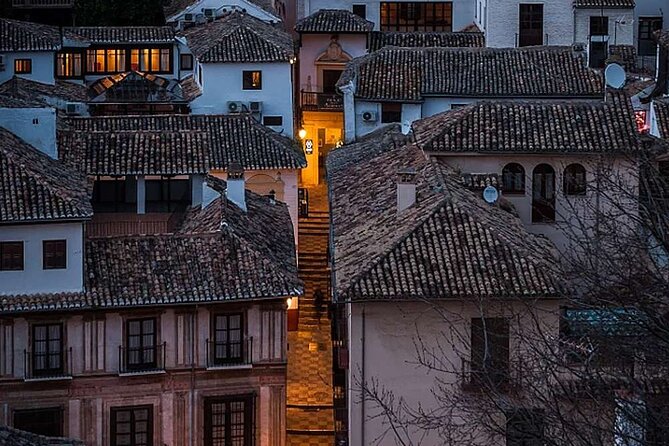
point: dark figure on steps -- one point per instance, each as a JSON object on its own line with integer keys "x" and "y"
{"x": 319, "y": 300}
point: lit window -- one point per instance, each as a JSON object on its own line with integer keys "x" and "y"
{"x": 68, "y": 65}
{"x": 640, "y": 118}
{"x": 417, "y": 16}
{"x": 23, "y": 66}
{"x": 252, "y": 80}
{"x": 574, "y": 180}
{"x": 105, "y": 61}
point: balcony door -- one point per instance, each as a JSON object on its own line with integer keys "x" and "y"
{"x": 141, "y": 344}
{"x": 490, "y": 351}
{"x": 330, "y": 78}
{"x": 531, "y": 24}
{"x": 543, "y": 194}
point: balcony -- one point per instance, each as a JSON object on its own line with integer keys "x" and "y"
{"x": 313, "y": 101}
{"x": 141, "y": 360}
{"x": 230, "y": 354}
{"x": 47, "y": 366}
{"x": 127, "y": 223}
{"x": 42, "y": 4}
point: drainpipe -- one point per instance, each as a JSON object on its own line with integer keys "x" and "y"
{"x": 362, "y": 379}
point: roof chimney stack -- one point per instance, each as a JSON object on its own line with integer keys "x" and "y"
{"x": 235, "y": 191}
{"x": 406, "y": 189}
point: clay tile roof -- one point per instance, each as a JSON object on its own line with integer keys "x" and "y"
{"x": 533, "y": 127}
{"x": 14, "y": 437}
{"x": 608, "y": 4}
{"x": 173, "y": 144}
{"x": 120, "y": 34}
{"x": 35, "y": 187}
{"x": 380, "y": 39}
{"x": 662, "y": 116}
{"x": 333, "y": 21}
{"x": 135, "y": 86}
{"x": 408, "y": 74}
{"x": 449, "y": 244}
{"x": 239, "y": 37}
{"x": 190, "y": 88}
{"x": 27, "y": 36}
{"x": 35, "y": 93}
{"x": 624, "y": 55}
{"x": 662, "y": 37}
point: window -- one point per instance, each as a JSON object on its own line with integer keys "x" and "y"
{"x": 23, "y": 66}
{"x": 272, "y": 120}
{"x": 647, "y": 27}
{"x": 525, "y": 427}
{"x": 105, "y": 61}
{"x": 132, "y": 426}
{"x": 228, "y": 338}
{"x": 489, "y": 351}
{"x": 47, "y": 355}
{"x": 141, "y": 344}
{"x": 330, "y": 79}
{"x": 391, "y": 112}
{"x": 360, "y": 10}
{"x": 68, "y": 65}
{"x": 531, "y": 24}
{"x": 228, "y": 421}
{"x": 252, "y": 80}
{"x": 11, "y": 256}
{"x": 599, "y": 26}
{"x": 513, "y": 179}
{"x": 186, "y": 62}
{"x": 417, "y": 16}
{"x": 48, "y": 421}
{"x": 54, "y": 254}
{"x": 597, "y": 55}
{"x": 574, "y": 180}
{"x": 543, "y": 194}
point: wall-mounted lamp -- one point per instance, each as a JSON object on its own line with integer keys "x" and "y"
{"x": 302, "y": 133}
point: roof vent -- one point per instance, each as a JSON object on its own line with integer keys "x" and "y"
{"x": 406, "y": 188}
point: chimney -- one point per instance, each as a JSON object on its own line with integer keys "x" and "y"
{"x": 235, "y": 191}
{"x": 406, "y": 188}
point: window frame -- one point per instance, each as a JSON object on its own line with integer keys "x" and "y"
{"x": 391, "y": 116}
{"x": 358, "y": 13}
{"x": 248, "y": 84}
{"x": 248, "y": 427}
{"x": 3, "y": 247}
{"x": 517, "y": 189}
{"x": 23, "y": 65}
{"x": 416, "y": 16}
{"x": 187, "y": 57}
{"x": 58, "y": 64}
{"x": 45, "y": 244}
{"x": 499, "y": 373}
{"x": 126, "y": 56}
{"x": 530, "y": 18}
{"x": 60, "y": 354}
{"x": 645, "y": 42}
{"x": 599, "y": 25}
{"x": 571, "y": 186}
{"x": 113, "y": 424}
{"x": 56, "y": 411}
{"x": 143, "y": 364}
{"x": 228, "y": 358}
{"x": 278, "y": 117}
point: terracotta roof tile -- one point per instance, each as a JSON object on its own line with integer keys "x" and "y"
{"x": 624, "y": 55}
{"x": 16, "y": 35}
{"x": 37, "y": 92}
{"x": 609, "y": 4}
{"x": 661, "y": 107}
{"x": 380, "y": 39}
{"x": 190, "y": 88}
{"x": 408, "y": 74}
{"x": 135, "y": 86}
{"x": 14, "y": 437}
{"x": 239, "y": 37}
{"x": 449, "y": 244}
{"x": 533, "y": 127}
{"x": 174, "y": 144}
{"x": 333, "y": 21}
{"x": 120, "y": 34}
{"x": 35, "y": 187}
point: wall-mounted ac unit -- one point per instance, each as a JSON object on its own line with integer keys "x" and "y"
{"x": 235, "y": 106}
{"x": 209, "y": 13}
{"x": 74, "y": 109}
{"x": 369, "y": 116}
{"x": 189, "y": 18}
{"x": 255, "y": 107}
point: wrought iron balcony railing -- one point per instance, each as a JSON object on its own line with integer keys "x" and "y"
{"x": 148, "y": 358}
{"x": 47, "y": 4}
{"x": 229, "y": 354}
{"x": 47, "y": 365}
{"x": 313, "y": 101}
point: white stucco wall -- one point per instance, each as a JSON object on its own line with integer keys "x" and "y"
{"x": 652, "y": 118}
{"x": 222, "y": 82}
{"x": 621, "y": 33}
{"x": 42, "y": 66}
{"x": 35, "y": 279}
{"x": 314, "y": 45}
{"x": 220, "y": 5}
{"x": 388, "y": 339}
{"x": 571, "y": 211}
{"x": 36, "y": 126}
{"x": 503, "y": 25}
{"x": 463, "y": 10}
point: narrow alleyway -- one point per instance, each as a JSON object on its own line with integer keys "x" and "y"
{"x": 310, "y": 406}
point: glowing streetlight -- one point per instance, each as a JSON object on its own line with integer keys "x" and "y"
{"x": 302, "y": 133}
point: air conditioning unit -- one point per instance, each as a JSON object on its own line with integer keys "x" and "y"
{"x": 235, "y": 106}
{"x": 189, "y": 18}
{"x": 369, "y": 116}
{"x": 74, "y": 109}
{"x": 209, "y": 13}
{"x": 255, "y": 107}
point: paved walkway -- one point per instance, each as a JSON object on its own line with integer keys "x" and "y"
{"x": 310, "y": 407}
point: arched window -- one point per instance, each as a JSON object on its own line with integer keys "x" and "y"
{"x": 574, "y": 180}
{"x": 513, "y": 179}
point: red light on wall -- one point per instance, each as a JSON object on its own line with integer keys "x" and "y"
{"x": 640, "y": 118}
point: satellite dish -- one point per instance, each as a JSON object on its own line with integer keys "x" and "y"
{"x": 490, "y": 194}
{"x": 615, "y": 76}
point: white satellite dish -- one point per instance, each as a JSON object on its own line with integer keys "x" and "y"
{"x": 615, "y": 76}
{"x": 490, "y": 194}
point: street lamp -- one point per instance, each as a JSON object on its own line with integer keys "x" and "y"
{"x": 302, "y": 133}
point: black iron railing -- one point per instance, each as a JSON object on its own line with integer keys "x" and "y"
{"x": 313, "y": 101}
{"x": 230, "y": 353}
{"x": 47, "y": 365}
{"x": 148, "y": 358}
